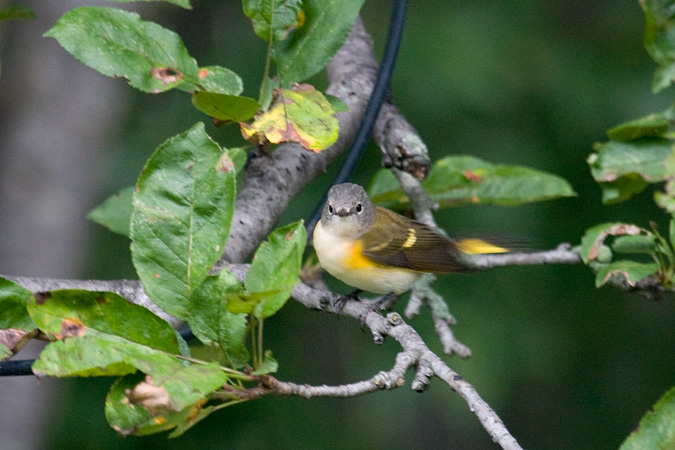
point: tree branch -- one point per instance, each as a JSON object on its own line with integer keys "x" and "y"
{"x": 563, "y": 254}
{"x": 391, "y": 379}
{"x": 132, "y": 290}
{"x": 427, "y": 363}
{"x": 271, "y": 181}
{"x": 402, "y": 147}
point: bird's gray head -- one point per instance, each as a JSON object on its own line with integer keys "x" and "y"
{"x": 348, "y": 211}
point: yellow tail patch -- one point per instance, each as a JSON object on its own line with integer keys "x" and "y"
{"x": 477, "y": 246}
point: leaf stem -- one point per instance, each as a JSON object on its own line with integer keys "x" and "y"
{"x": 254, "y": 350}
{"x": 260, "y": 342}
{"x": 266, "y": 74}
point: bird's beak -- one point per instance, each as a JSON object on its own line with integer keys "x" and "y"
{"x": 343, "y": 212}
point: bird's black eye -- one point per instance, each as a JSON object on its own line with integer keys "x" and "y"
{"x": 359, "y": 208}
{"x": 330, "y": 208}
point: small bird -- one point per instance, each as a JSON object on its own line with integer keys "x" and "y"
{"x": 377, "y": 250}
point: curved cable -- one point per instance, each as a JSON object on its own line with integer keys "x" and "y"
{"x": 22, "y": 367}
{"x": 377, "y": 97}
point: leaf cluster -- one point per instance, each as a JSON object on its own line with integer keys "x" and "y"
{"x": 178, "y": 215}
{"x": 181, "y": 211}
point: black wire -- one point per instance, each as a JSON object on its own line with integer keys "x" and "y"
{"x": 186, "y": 333}
{"x": 16, "y": 368}
{"x": 23, "y": 367}
{"x": 377, "y": 98}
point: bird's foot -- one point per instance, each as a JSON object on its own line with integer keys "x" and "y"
{"x": 342, "y": 301}
{"x": 378, "y": 305}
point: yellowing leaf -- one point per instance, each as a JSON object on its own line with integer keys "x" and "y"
{"x": 301, "y": 114}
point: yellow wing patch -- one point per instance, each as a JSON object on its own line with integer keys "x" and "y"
{"x": 355, "y": 258}
{"x": 478, "y": 246}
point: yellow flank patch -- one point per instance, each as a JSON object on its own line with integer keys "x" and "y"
{"x": 355, "y": 258}
{"x": 478, "y": 246}
{"x": 412, "y": 238}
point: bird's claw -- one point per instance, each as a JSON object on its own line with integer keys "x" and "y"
{"x": 342, "y": 301}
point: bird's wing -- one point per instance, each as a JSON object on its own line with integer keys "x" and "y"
{"x": 397, "y": 241}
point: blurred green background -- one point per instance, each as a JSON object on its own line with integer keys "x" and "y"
{"x": 565, "y": 365}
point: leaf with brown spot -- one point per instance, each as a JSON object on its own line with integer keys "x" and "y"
{"x": 594, "y": 237}
{"x": 472, "y": 176}
{"x": 301, "y": 114}
{"x": 461, "y": 180}
{"x": 155, "y": 399}
{"x": 225, "y": 164}
{"x": 179, "y": 218}
{"x": 119, "y": 43}
{"x": 173, "y": 399}
{"x": 166, "y": 75}
{"x": 631, "y": 271}
{"x": 69, "y": 313}
{"x": 13, "y": 306}
{"x": 12, "y": 340}
{"x": 42, "y": 297}
{"x": 624, "y": 169}
{"x": 71, "y": 327}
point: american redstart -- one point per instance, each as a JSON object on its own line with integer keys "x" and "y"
{"x": 377, "y": 250}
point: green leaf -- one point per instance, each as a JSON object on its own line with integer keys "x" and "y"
{"x": 14, "y": 12}
{"x": 220, "y": 80}
{"x": 194, "y": 415}
{"x": 182, "y": 3}
{"x": 212, "y": 323}
{"x": 276, "y": 267}
{"x": 13, "y": 306}
{"x": 95, "y": 355}
{"x": 68, "y": 312}
{"x": 644, "y": 244}
{"x": 181, "y": 217}
{"x": 101, "y": 334}
{"x": 115, "y": 212}
{"x": 119, "y": 44}
{"x": 15, "y": 323}
{"x": 659, "y": 40}
{"x": 300, "y": 115}
{"x": 595, "y": 237}
{"x": 624, "y": 168}
{"x": 239, "y": 156}
{"x": 644, "y": 157}
{"x": 653, "y": 125}
{"x": 146, "y": 405}
{"x": 215, "y": 79}
{"x": 269, "y": 365}
{"x": 6, "y": 347}
{"x": 632, "y": 271}
{"x": 657, "y": 428}
{"x": 665, "y": 201}
{"x": 460, "y": 180}
{"x": 120, "y": 414}
{"x": 337, "y": 104}
{"x": 274, "y": 19}
{"x": 225, "y": 107}
{"x": 273, "y": 274}
{"x": 622, "y": 189}
{"x": 310, "y": 46}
